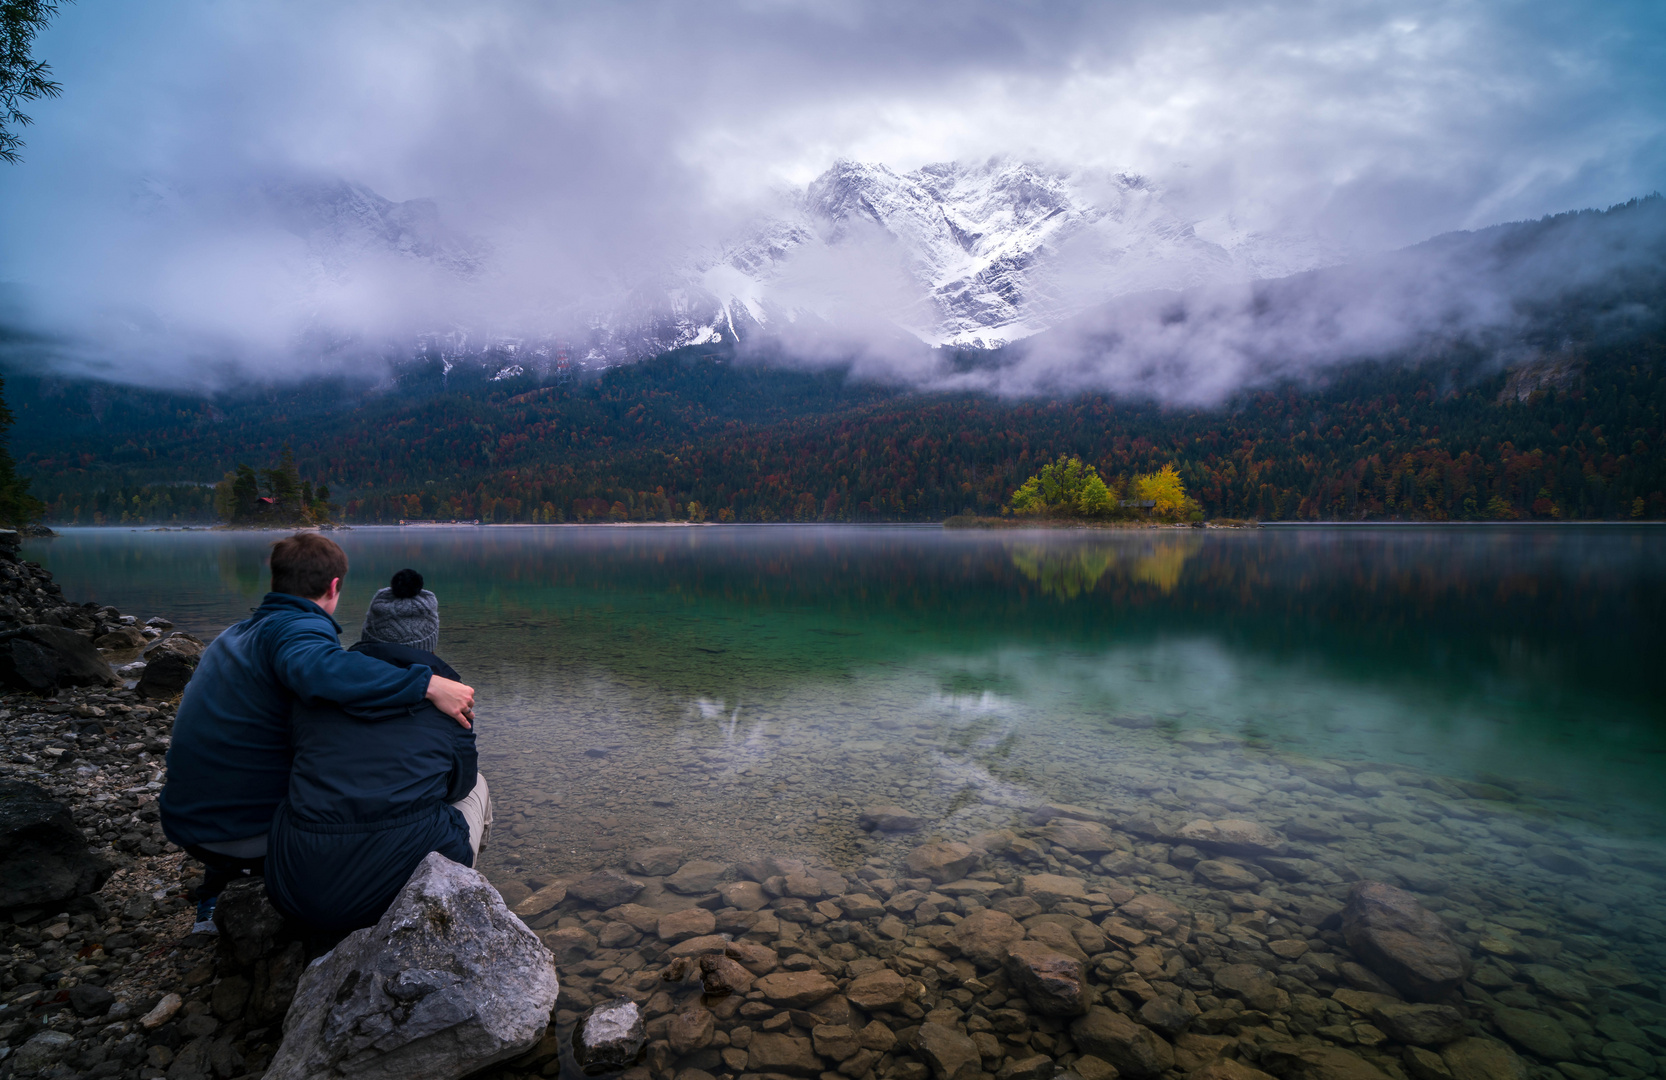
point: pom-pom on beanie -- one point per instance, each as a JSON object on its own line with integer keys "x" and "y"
{"x": 404, "y": 613}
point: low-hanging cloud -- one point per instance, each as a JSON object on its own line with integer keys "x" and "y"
{"x": 542, "y": 164}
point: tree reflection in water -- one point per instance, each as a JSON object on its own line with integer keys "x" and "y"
{"x": 1070, "y": 572}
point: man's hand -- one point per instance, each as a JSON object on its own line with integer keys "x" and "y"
{"x": 452, "y": 698}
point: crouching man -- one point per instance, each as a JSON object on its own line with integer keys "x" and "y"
{"x": 373, "y": 790}
{"x": 229, "y": 758}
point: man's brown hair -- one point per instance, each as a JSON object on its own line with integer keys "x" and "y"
{"x": 304, "y": 564}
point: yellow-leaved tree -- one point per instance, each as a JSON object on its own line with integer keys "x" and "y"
{"x": 1166, "y": 493}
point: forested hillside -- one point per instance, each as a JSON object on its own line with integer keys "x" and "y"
{"x": 1577, "y": 435}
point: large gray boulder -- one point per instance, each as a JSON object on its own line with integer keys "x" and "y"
{"x": 43, "y": 658}
{"x": 447, "y": 983}
{"x": 43, "y": 857}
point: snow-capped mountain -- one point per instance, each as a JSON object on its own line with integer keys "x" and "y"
{"x": 955, "y": 254}
{"x": 984, "y": 254}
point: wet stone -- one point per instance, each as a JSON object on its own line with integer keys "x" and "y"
{"x": 606, "y": 888}
{"x": 1421, "y": 1025}
{"x": 722, "y": 975}
{"x": 1226, "y": 875}
{"x": 951, "y": 1053}
{"x": 1080, "y": 837}
{"x": 776, "y": 1052}
{"x": 1402, "y": 941}
{"x": 890, "y": 819}
{"x": 1234, "y": 836}
{"x": 610, "y": 1037}
{"x": 1255, "y": 986}
{"x": 1536, "y": 1033}
{"x": 682, "y": 925}
{"x": 697, "y": 877}
{"x": 691, "y": 1029}
{"x": 943, "y": 861}
{"x": 795, "y": 989}
{"x": 1479, "y": 1058}
{"x": 879, "y": 990}
{"x": 1134, "y": 1051}
{"x": 1050, "y": 889}
{"x": 656, "y": 861}
{"x": 1054, "y": 983}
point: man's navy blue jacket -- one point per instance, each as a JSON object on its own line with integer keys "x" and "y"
{"x": 368, "y": 795}
{"x": 228, "y": 763}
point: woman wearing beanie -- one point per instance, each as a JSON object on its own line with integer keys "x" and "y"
{"x": 371, "y": 795}
{"x": 404, "y": 613}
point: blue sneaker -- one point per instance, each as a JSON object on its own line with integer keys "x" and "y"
{"x": 205, "y": 917}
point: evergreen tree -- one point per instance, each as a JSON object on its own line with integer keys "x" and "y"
{"x": 17, "y": 507}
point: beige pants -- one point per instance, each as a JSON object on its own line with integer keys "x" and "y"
{"x": 476, "y": 808}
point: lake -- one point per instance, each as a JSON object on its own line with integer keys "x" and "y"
{"x": 1477, "y": 714}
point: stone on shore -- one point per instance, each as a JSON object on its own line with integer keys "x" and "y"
{"x": 448, "y": 982}
{"x": 43, "y": 658}
{"x": 1402, "y": 941}
{"x": 169, "y": 666}
{"x": 44, "y": 858}
{"x": 609, "y": 1037}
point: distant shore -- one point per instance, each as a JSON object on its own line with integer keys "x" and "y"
{"x": 972, "y": 521}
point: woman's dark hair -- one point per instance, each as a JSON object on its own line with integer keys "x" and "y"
{"x": 406, "y": 584}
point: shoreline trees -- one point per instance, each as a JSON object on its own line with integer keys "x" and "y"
{"x": 1068, "y": 488}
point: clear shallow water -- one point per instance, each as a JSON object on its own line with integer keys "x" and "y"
{"x": 1456, "y": 710}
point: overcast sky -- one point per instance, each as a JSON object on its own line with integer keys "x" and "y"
{"x": 593, "y": 141}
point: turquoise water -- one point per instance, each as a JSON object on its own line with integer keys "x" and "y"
{"x": 1476, "y": 714}
{"x": 950, "y": 669}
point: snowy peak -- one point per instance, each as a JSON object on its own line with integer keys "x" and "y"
{"x": 990, "y": 252}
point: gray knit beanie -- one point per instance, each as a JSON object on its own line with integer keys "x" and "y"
{"x": 404, "y": 614}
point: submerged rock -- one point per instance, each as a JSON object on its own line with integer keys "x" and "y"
{"x": 44, "y": 858}
{"x": 951, "y": 1052}
{"x": 610, "y": 1037}
{"x": 1233, "y": 836}
{"x": 1402, "y": 941}
{"x": 943, "y": 861}
{"x": 1055, "y": 983}
{"x": 890, "y": 819}
{"x": 1136, "y": 1051}
{"x": 448, "y": 982}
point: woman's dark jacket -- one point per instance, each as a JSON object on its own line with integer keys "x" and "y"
{"x": 368, "y": 795}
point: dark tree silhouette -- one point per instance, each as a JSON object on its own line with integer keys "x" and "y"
{"x": 22, "y": 77}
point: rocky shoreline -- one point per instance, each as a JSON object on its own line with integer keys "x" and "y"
{"x": 1355, "y": 935}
